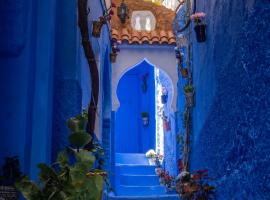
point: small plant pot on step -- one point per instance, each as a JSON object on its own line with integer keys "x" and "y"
{"x": 200, "y": 32}
{"x": 97, "y": 25}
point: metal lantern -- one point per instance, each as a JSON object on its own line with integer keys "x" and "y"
{"x": 122, "y": 12}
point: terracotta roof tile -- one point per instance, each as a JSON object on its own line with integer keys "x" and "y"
{"x": 162, "y": 34}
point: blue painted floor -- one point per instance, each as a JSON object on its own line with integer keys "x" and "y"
{"x": 136, "y": 179}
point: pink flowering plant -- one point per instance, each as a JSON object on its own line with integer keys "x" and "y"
{"x": 197, "y": 17}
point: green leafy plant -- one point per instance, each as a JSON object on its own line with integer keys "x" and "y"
{"x": 73, "y": 176}
{"x": 189, "y": 89}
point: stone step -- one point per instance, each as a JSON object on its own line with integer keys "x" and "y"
{"x": 131, "y": 158}
{"x": 150, "y": 197}
{"x": 138, "y": 180}
{"x": 135, "y": 169}
{"x": 125, "y": 190}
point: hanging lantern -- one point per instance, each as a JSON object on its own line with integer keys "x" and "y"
{"x": 122, "y": 12}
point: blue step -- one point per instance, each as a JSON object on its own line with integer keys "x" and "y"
{"x": 124, "y": 190}
{"x": 131, "y": 158}
{"x": 135, "y": 169}
{"x": 152, "y": 197}
{"x": 138, "y": 180}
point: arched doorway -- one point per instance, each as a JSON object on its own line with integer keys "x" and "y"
{"x": 139, "y": 92}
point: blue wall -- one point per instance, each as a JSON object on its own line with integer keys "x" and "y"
{"x": 231, "y": 124}
{"x": 44, "y": 76}
{"x": 130, "y": 135}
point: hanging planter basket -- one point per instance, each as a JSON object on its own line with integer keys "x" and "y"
{"x": 113, "y": 57}
{"x": 97, "y": 25}
{"x": 189, "y": 95}
{"x": 184, "y": 72}
{"x": 164, "y": 98}
{"x": 200, "y": 32}
{"x": 167, "y": 125}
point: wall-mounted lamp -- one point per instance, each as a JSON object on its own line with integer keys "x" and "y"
{"x": 122, "y": 12}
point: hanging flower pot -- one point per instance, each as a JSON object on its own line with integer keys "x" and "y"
{"x": 97, "y": 25}
{"x": 184, "y": 72}
{"x": 200, "y": 32}
{"x": 200, "y": 27}
{"x": 113, "y": 56}
{"x": 189, "y": 94}
{"x": 167, "y": 125}
{"x": 164, "y": 96}
{"x": 145, "y": 118}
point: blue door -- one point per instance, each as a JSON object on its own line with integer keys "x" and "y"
{"x": 130, "y": 134}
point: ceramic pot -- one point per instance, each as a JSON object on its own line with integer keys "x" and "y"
{"x": 164, "y": 98}
{"x": 145, "y": 121}
{"x": 184, "y": 72}
{"x": 200, "y": 32}
{"x": 97, "y": 25}
{"x": 113, "y": 56}
{"x": 189, "y": 98}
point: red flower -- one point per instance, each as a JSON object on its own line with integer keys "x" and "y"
{"x": 111, "y": 12}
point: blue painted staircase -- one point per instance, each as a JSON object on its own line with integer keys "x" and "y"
{"x": 136, "y": 179}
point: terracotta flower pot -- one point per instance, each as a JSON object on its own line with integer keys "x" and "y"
{"x": 97, "y": 25}
{"x": 200, "y": 32}
{"x": 184, "y": 72}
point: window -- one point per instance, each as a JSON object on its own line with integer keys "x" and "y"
{"x": 143, "y": 21}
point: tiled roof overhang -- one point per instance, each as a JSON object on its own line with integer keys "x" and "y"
{"x": 163, "y": 33}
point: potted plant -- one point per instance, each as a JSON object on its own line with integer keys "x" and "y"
{"x": 184, "y": 72}
{"x": 200, "y": 27}
{"x": 114, "y": 52}
{"x": 167, "y": 180}
{"x": 164, "y": 95}
{"x": 73, "y": 176}
{"x": 151, "y": 155}
{"x": 145, "y": 118}
{"x": 194, "y": 186}
{"x": 97, "y": 25}
{"x": 189, "y": 94}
